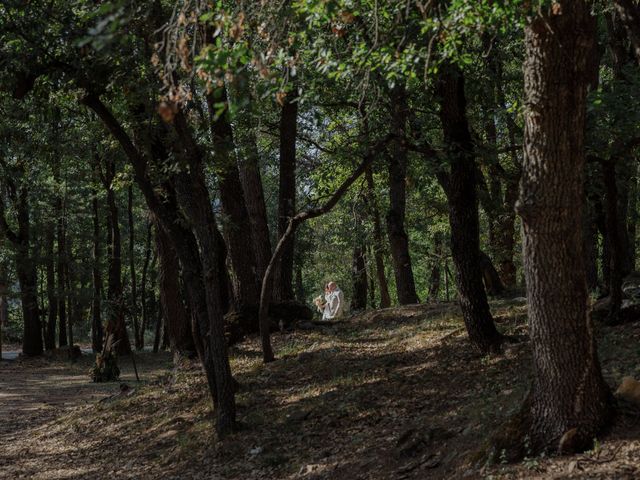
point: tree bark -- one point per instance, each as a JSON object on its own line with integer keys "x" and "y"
{"x": 143, "y": 282}
{"x": 434, "y": 280}
{"x": 116, "y": 321}
{"x": 137, "y": 334}
{"x": 237, "y": 227}
{"x": 250, "y": 177}
{"x": 460, "y": 188}
{"x": 62, "y": 304}
{"x": 96, "y": 304}
{"x": 385, "y": 298}
{"x": 570, "y": 402}
{"x": 52, "y": 299}
{"x": 359, "y": 278}
{"x": 398, "y": 238}
{"x": 283, "y": 278}
{"x": 629, "y": 13}
{"x": 176, "y": 317}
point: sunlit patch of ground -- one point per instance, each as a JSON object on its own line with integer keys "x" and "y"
{"x": 395, "y": 393}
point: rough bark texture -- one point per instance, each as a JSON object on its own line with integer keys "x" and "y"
{"x": 570, "y": 402}
{"x": 283, "y": 278}
{"x": 176, "y": 317}
{"x": 249, "y": 167}
{"x": 237, "y": 226}
{"x": 460, "y": 188}
{"x": 398, "y": 238}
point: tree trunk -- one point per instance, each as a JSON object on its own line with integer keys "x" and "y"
{"x": 96, "y": 304}
{"x": 176, "y": 317}
{"x": 249, "y": 168}
{"x": 28, "y": 280}
{"x": 570, "y": 402}
{"x": 116, "y": 321}
{"x": 283, "y": 276}
{"x": 50, "y": 335}
{"x": 62, "y": 305}
{"x": 632, "y": 223}
{"x": 143, "y": 283}
{"x": 616, "y": 248}
{"x": 385, "y": 298}
{"x": 359, "y": 279}
{"x": 398, "y": 238}
{"x": 137, "y": 334}
{"x": 434, "y": 280}
{"x": 460, "y": 188}
{"x": 490, "y": 276}
{"x": 238, "y": 227}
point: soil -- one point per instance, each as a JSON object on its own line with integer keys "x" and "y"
{"x": 388, "y": 394}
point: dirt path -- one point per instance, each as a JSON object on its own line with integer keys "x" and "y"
{"x": 36, "y": 392}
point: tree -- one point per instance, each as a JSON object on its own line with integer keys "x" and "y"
{"x": 460, "y": 186}
{"x": 570, "y": 402}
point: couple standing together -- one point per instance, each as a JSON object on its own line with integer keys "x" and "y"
{"x": 334, "y": 302}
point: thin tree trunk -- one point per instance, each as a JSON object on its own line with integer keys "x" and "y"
{"x": 137, "y": 334}
{"x": 570, "y": 402}
{"x": 116, "y": 322}
{"x": 143, "y": 283}
{"x": 398, "y": 238}
{"x": 62, "y": 305}
{"x": 385, "y": 298}
{"x": 96, "y": 305}
{"x": 50, "y": 336}
{"x": 616, "y": 249}
{"x": 359, "y": 279}
{"x": 434, "y": 281}
{"x": 283, "y": 287}
{"x": 460, "y": 188}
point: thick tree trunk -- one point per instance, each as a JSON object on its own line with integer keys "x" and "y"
{"x": 237, "y": 227}
{"x": 52, "y": 311}
{"x": 398, "y": 238}
{"x": 177, "y": 323}
{"x": 283, "y": 276}
{"x": 28, "y": 280}
{"x": 570, "y": 402}
{"x": 378, "y": 242}
{"x": 96, "y": 302}
{"x": 250, "y": 177}
{"x": 460, "y": 188}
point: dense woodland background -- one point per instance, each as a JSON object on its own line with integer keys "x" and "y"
{"x": 181, "y": 175}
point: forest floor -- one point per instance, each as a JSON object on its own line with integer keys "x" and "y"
{"x": 388, "y": 394}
